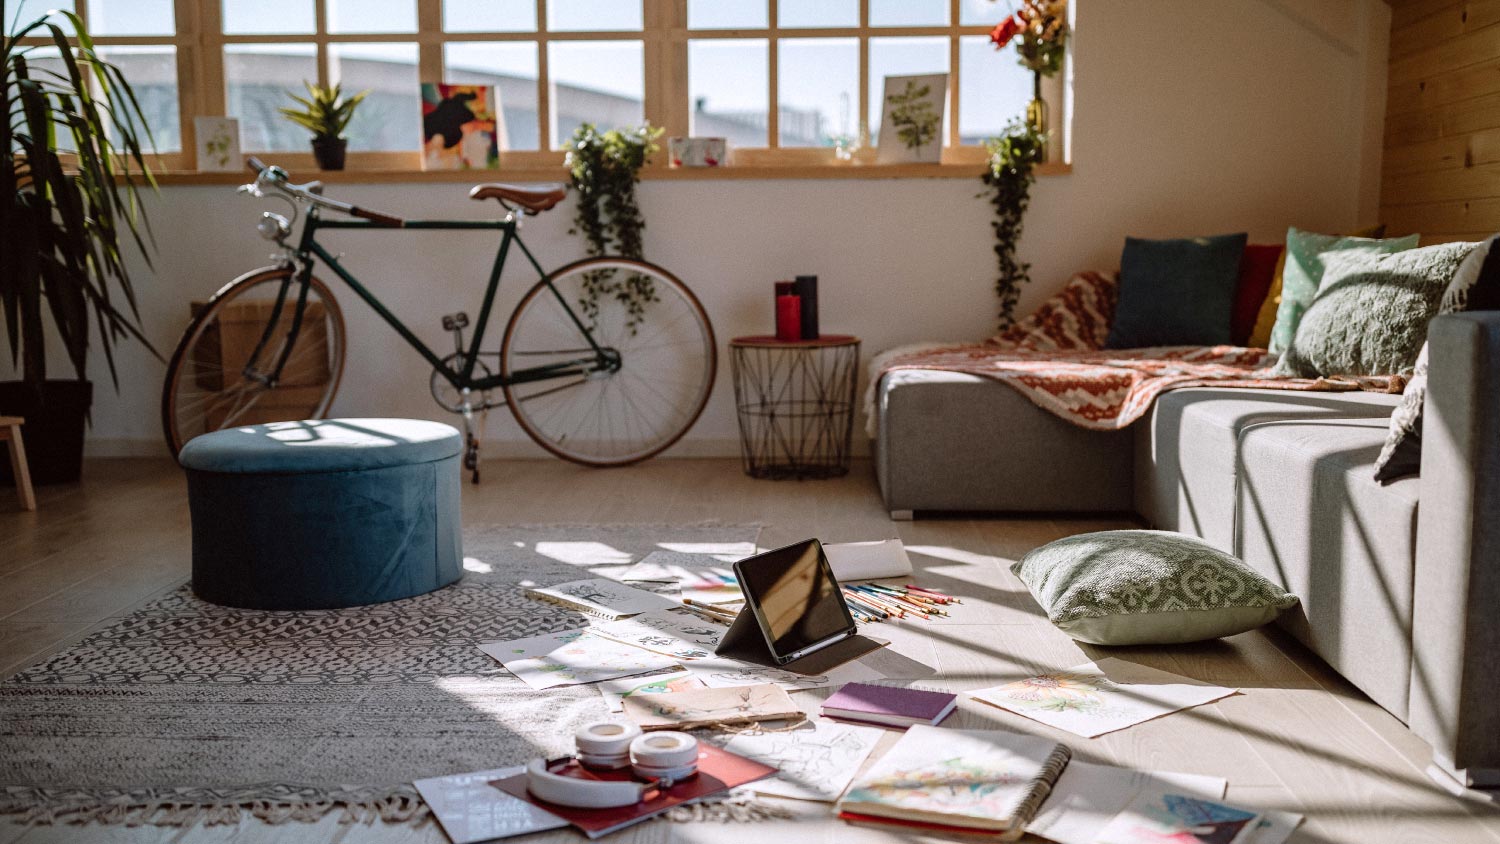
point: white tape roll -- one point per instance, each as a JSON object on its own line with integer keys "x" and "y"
{"x": 664, "y": 750}
{"x": 606, "y": 738}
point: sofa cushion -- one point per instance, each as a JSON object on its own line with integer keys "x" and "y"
{"x": 1176, "y": 292}
{"x": 1147, "y": 587}
{"x": 1259, "y": 267}
{"x": 1185, "y": 449}
{"x": 1313, "y": 519}
{"x": 1302, "y": 274}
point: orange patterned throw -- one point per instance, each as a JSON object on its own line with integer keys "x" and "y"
{"x": 1055, "y": 358}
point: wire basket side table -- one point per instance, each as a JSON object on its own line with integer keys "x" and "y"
{"x": 795, "y": 401}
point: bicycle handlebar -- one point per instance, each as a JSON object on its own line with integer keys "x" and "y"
{"x": 276, "y": 178}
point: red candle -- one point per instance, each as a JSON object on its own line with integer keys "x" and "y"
{"x": 788, "y": 312}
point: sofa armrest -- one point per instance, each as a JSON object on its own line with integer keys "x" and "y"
{"x": 1456, "y": 614}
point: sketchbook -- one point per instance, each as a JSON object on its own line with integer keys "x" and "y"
{"x": 606, "y": 599}
{"x": 675, "y": 632}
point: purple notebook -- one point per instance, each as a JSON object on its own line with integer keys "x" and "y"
{"x": 890, "y": 705}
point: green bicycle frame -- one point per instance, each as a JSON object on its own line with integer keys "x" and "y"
{"x": 462, "y": 376}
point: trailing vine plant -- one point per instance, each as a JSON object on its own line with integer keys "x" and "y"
{"x": 604, "y": 168}
{"x": 1007, "y": 180}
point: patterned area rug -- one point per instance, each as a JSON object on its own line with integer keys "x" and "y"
{"x": 186, "y": 711}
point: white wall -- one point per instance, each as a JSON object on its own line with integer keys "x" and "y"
{"x": 1190, "y": 117}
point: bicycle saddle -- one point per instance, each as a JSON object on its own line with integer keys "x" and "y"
{"x": 532, "y": 200}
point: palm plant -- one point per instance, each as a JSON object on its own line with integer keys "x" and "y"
{"x": 69, "y": 197}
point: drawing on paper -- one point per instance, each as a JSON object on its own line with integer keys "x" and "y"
{"x": 815, "y": 761}
{"x": 675, "y": 632}
{"x": 572, "y": 657}
{"x": 969, "y": 787}
{"x": 1059, "y": 691}
{"x": 1179, "y": 819}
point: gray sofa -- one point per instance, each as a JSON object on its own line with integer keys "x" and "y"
{"x": 1402, "y": 599}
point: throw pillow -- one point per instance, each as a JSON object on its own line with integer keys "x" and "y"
{"x": 1371, "y": 315}
{"x": 1260, "y": 336}
{"x": 1145, "y": 587}
{"x": 1258, "y": 269}
{"x": 1306, "y": 253}
{"x": 1476, "y": 286}
{"x": 1176, "y": 292}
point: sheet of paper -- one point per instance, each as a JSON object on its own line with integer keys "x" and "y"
{"x": 701, "y": 577}
{"x": 604, "y": 598}
{"x": 1097, "y": 698}
{"x": 673, "y": 632}
{"x": 868, "y": 560}
{"x": 720, "y": 672}
{"x": 615, "y": 691}
{"x": 815, "y": 761}
{"x": 471, "y": 810}
{"x": 1275, "y": 827}
{"x": 572, "y": 657}
{"x": 1154, "y": 817}
{"x": 1087, "y": 797}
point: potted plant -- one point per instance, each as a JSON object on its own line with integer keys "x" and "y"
{"x": 325, "y": 112}
{"x": 69, "y": 205}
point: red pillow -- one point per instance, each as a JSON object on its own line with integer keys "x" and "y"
{"x": 1257, "y": 272}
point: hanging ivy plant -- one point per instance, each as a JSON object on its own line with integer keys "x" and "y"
{"x": 1008, "y": 179}
{"x": 604, "y": 168}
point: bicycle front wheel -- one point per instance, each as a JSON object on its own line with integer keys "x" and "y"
{"x": 218, "y": 376}
{"x": 656, "y": 337}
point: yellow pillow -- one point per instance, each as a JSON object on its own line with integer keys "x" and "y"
{"x": 1260, "y": 336}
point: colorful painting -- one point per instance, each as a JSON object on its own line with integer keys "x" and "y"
{"x": 572, "y": 657}
{"x": 1180, "y": 819}
{"x": 461, "y": 127}
{"x": 1097, "y": 698}
{"x": 615, "y": 691}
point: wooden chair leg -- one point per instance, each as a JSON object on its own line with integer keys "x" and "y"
{"x": 19, "y": 470}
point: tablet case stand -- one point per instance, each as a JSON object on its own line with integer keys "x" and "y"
{"x": 746, "y": 642}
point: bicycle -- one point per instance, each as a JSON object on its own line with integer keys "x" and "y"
{"x": 619, "y": 355}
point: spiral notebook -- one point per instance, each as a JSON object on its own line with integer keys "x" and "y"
{"x": 603, "y": 598}
{"x": 989, "y": 781}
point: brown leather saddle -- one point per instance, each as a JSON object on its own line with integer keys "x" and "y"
{"x": 532, "y": 200}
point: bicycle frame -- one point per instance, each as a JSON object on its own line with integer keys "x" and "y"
{"x": 462, "y": 378}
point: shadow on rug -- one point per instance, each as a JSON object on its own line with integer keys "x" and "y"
{"x": 185, "y": 711}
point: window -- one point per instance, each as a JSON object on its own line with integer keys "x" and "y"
{"x": 787, "y": 81}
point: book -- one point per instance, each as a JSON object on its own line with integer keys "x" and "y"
{"x": 606, "y": 599}
{"x": 890, "y": 705}
{"x": 965, "y": 780}
{"x": 694, "y": 708}
{"x": 470, "y": 810}
{"x": 718, "y": 771}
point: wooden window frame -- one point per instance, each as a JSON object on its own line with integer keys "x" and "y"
{"x": 200, "y": 42}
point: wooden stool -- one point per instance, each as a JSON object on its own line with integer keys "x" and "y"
{"x": 10, "y": 429}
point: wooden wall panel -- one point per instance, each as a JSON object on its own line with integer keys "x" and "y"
{"x": 1441, "y": 169}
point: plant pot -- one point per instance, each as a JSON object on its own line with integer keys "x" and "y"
{"x": 55, "y": 414}
{"x": 329, "y": 152}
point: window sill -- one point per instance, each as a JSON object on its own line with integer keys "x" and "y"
{"x": 557, "y": 174}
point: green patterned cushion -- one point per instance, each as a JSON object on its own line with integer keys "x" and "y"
{"x": 1303, "y": 273}
{"x": 1140, "y": 587}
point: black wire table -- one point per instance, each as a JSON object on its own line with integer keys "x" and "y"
{"x": 795, "y": 400}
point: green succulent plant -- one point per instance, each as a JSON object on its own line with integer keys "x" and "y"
{"x": 325, "y": 112}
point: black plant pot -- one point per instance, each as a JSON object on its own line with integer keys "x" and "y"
{"x": 329, "y": 152}
{"x": 55, "y": 414}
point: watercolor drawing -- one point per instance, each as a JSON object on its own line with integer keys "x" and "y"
{"x": 1179, "y": 819}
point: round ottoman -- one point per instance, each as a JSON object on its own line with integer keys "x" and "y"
{"x": 325, "y": 513}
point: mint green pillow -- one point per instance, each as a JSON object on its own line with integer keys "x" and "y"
{"x": 1305, "y": 255}
{"x": 1147, "y": 587}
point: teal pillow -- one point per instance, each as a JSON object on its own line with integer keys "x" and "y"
{"x": 1371, "y": 313}
{"x": 1305, "y": 256}
{"x": 1176, "y": 292}
{"x": 1145, "y": 587}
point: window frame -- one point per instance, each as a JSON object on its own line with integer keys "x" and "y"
{"x": 201, "y": 83}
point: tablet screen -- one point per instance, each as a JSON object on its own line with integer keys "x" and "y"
{"x": 799, "y": 601}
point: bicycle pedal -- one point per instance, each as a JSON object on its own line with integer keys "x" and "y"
{"x": 453, "y": 322}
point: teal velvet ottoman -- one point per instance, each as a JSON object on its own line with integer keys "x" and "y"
{"x": 325, "y": 513}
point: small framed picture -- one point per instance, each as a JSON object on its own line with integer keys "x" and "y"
{"x": 218, "y": 144}
{"x": 461, "y": 127}
{"x": 911, "y": 119}
{"x": 698, "y": 152}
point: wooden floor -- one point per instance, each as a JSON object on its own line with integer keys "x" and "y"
{"x": 1298, "y": 737}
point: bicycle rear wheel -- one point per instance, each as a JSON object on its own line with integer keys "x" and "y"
{"x": 209, "y": 384}
{"x": 664, "y": 356}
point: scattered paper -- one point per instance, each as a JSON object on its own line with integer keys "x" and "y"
{"x": 1087, "y": 797}
{"x": 601, "y": 597}
{"x": 1153, "y": 818}
{"x": 615, "y": 691}
{"x": 674, "y": 632}
{"x": 719, "y": 672}
{"x": 702, "y": 577}
{"x": 572, "y": 657}
{"x": 814, "y": 762}
{"x": 471, "y": 810}
{"x": 1097, "y": 698}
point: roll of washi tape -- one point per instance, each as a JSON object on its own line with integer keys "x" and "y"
{"x": 664, "y": 755}
{"x": 605, "y": 744}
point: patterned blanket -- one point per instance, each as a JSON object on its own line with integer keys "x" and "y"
{"x": 1056, "y": 358}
